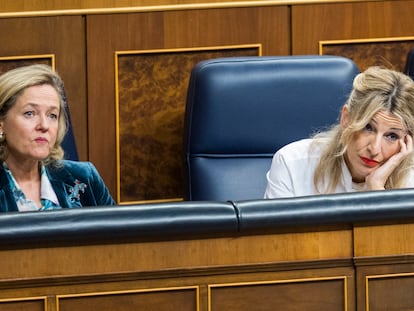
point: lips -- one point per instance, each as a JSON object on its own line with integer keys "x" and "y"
{"x": 41, "y": 140}
{"x": 369, "y": 162}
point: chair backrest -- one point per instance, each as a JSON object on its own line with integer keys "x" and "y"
{"x": 241, "y": 110}
{"x": 409, "y": 64}
{"x": 69, "y": 143}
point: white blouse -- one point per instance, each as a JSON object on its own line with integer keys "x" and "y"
{"x": 292, "y": 170}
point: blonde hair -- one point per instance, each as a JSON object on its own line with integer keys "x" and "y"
{"x": 374, "y": 90}
{"x": 12, "y": 85}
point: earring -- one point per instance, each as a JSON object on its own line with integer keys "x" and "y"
{"x": 2, "y": 137}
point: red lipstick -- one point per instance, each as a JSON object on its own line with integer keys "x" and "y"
{"x": 369, "y": 162}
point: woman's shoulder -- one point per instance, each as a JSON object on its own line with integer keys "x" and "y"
{"x": 75, "y": 168}
{"x": 76, "y": 165}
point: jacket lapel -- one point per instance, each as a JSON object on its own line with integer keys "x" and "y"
{"x": 63, "y": 184}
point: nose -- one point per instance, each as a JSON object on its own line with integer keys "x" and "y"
{"x": 374, "y": 146}
{"x": 43, "y": 123}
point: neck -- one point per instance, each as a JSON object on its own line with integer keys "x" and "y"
{"x": 23, "y": 172}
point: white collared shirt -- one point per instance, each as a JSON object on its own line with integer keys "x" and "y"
{"x": 47, "y": 194}
{"x": 293, "y": 168}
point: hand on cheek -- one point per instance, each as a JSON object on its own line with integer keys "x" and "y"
{"x": 376, "y": 180}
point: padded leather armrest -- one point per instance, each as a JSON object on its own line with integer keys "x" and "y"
{"x": 347, "y": 208}
{"x": 147, "y": 221}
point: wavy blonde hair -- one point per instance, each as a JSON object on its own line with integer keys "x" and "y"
{"x": 12, "y": 85}
{"x": 376, "y": 89}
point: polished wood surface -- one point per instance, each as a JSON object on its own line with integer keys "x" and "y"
{"x": 364, "y": 267}
{"x": 341, "y": 21}
{"x": 57, "y": 7}
{"x": 185, "y": 274}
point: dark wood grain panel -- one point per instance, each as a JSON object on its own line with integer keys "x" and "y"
{"x": 152, "y": 90}
{"x": 373, "y": 52}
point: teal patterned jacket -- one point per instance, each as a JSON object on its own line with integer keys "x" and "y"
{"x": 76, "y": 184}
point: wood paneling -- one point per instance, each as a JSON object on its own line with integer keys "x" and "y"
{"x": 151, "y": 98}
{"x": 182, "y": 299}
{"x": 164, "y": 30}
{"x": 307, "y": 294}
{"x": 26, "y": 7}
{"x": 341, "y": 21}
{"x": 303, "y": 269}
{"x": 390, "y": 53}
{"x": 62, "y": 36}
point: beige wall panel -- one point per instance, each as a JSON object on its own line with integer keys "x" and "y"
{"x": 320, "y": 22}
{"x": 63, "y": 37}
{"x": 107, "y": 34}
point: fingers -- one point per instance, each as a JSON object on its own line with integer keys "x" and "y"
{"x": 409, "y": 143}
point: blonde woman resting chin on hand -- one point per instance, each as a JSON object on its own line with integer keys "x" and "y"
{"x": 371, "y": 148}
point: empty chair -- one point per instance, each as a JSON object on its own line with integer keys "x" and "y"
{"x": 241, "y": 110}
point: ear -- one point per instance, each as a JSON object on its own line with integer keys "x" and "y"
{"x": 344, "y": 116}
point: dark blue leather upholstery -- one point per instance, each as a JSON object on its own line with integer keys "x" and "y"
{"x": 241, "y": 110}
{"x": 69, "y": 143}
{"x": 146, "y": 221}
{"x": 190, "y": 220}
{"x": 409, "y": 64}
{"x": 342, "y": 208}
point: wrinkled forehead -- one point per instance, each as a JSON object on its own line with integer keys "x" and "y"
{"x": 389, "y": 120}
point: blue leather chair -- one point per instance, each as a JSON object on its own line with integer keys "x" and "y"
{"x": 241, "y": 110}
{"x": 69, "y": 143}
{"x": 409, "y": 64}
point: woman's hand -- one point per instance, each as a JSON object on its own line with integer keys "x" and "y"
{"x": 376, "y": 180}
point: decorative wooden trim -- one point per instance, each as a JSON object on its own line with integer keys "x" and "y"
{"x": 323, "y": 43}
{"x": 31, "y": 57}
{"x": 384, "y": 260}
{"x": 117, "y": 104}
{"x": 177, "y": 273}
{"x": 381, "y": 276}
{"x": 287, "y": 281}
{"x": 40, "y": 298}
{"x": 171, "y": 7}
{"x": 133, "y": 291}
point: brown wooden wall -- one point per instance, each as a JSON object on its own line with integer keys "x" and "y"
{"x": 340, "y": 267}
{"x": 126, "y": 65}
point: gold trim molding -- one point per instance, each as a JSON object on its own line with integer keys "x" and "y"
{"x": 316, "y": 279}
{"x": 132, "y": 291}
{"x": 366, "y": 40}
{"x": 23, "y": 299}
{"x": 119, "y": 177}
{"x": 170, "y": 7}
{"x": 381, "y": 276}
{"x": 31, "y": 57}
